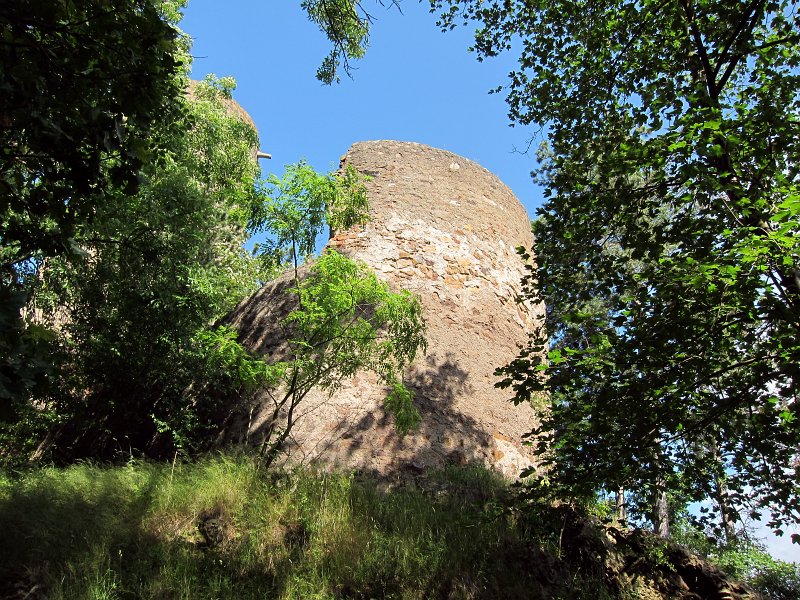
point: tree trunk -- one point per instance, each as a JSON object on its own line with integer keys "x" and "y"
{"x": 727, "y": 513}
{"x": 622, "y": 513}
{"x": 661, "y": 509}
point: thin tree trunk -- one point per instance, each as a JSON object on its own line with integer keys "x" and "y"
{"x": 622, "y": 513}
{"x": 661, "y": 508}
{"x": 727, "y": 513}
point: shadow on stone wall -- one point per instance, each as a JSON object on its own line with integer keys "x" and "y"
{"x": 450, "y": 434}
{"x": 367, "y": 438}
{"x": 258, "y": 321}
{"x": 351, "y": 429}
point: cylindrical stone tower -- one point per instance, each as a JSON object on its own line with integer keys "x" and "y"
{"x": 445, "y": 229}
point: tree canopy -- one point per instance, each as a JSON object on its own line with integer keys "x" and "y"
{"x": 668, "y": 248}
{"x": 156, "y": 268}
{"x": 123, "y": 247}
{"x": 80, "y": 96}
{"x": 80, "y": 99}
{"x": 85, "y": 84}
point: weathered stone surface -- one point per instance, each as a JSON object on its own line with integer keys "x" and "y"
{"x": 444, "y": 228}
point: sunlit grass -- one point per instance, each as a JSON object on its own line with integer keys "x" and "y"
{"x": 223, "y": 528}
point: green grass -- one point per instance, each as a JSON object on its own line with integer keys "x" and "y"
{"x": 222, "y": 528}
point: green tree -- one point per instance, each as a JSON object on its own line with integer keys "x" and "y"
{"x": 742, "y": 557}
{"x": 301, "y": 205}
{"x": 686, "y": 109}
{"x": 343, "y": 319}
{"x": 80, "y": 96}
{"x": 158, "y": 268}
{"x": 346, "y": 25}
{"x": 346, "y": 321}
{"x": 83, "y": 84}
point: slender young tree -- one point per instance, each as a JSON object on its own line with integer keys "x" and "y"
{"x": 344, "y": 319}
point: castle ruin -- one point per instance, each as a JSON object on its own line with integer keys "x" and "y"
{"x": 445, "y": 229}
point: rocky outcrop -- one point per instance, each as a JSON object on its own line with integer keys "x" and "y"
{"x": 445, "y": 229}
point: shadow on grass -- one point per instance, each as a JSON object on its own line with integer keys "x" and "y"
{"x": 57, "y": 518}
{"x": 92, "y": 532}
{"x": 222, "y": 528}
{"x": 130, "y": 532}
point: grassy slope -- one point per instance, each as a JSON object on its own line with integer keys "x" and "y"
{"x": 223, "y": 529}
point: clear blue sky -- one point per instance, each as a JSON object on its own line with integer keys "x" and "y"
{"x": 415, "y": 84}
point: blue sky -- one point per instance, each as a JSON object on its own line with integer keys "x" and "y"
{"x": 415, "y": 84}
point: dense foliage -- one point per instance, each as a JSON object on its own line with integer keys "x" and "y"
{"x": 745, "y": 558}
{"x": 157, "y": 268}
{"x": 108, "y": 342}
{"x": 668, "y": 249}
{"x": 80, "y": 97}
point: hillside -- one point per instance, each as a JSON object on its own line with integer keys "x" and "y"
{"x": 456, "y": 397}
{"x": 223, "y": 528}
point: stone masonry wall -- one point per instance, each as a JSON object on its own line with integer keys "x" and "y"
{"x": 445, "y": 229}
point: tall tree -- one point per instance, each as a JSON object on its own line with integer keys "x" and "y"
{"x": 80, "y": 96}
{"x": 699, "y": 100}
{"x": 83, "y": 84}
{"x": 157, "y": 268}
{"x": 128, "y": 204}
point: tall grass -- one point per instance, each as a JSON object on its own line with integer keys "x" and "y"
{"x": 222, "y": 528}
